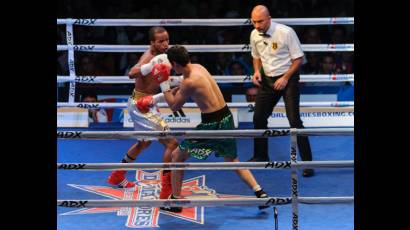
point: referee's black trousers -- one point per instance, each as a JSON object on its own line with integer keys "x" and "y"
{"x": 266, "y": 100}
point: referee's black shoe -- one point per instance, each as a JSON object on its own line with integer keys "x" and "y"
{"x": 308, "y": 173}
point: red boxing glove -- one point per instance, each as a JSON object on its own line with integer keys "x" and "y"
{"x": 161, "y": 73}
{"x": 145, "y": 103}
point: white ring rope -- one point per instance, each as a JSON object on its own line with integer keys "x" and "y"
{"x": 212, "y": 202}
{"x": 202, "y": 134}
{"x": 218, "y": 78}
{"x": 202, "y": 48}
{"x": 70, "y": 59}
{"x": 203, "y": 22}
{"x": 205, "y": 166}
{"x": 293, "y": 164}
{"x": 325, "y": 200}
{"x": 123, "y": 105}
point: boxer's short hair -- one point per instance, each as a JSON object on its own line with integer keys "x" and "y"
{"x": 154, "y": 30}
{"x": 178, "y": 54}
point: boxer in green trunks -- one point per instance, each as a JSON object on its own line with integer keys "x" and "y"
{"x": 201, "y": 148}
{"x": 199, "y": 85}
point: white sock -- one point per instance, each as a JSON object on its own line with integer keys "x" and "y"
{"x": 127, "y": 159}
{"x": 257, "y": 188}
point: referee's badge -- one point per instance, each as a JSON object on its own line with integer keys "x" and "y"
{"x": 274, "y": 45}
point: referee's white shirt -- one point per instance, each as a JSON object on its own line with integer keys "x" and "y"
{"x": 276, "y": 51}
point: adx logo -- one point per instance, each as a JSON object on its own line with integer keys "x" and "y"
{"x": 71, "y": 166}
{"x": 74, "y": 204}
{"x": 85, "y": 21}
{"x": 284, "y": 165}
{"x": 177, "y": 117}
{"x": 248, "y": 22}
{"x": 275, "y": 133}
{"x": 68, "y": 134}
{"x": 278, "y": 201}
{"x": 293, "y": 156}
{"x": 69, "y": 38}
{"x": 247, "y": 78}
{"x": 294, "y": 187}
{"x": 251, "y": 108}
{"x": 294, "y": 220}
{"x": 83, "y": 47}
{"x": 85, "y": 79}
{"x": 71, "y": 65}
{"x": 246, "y": 47}
{"x": 88, "y": 106}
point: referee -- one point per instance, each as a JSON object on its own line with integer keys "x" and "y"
{"x": 276, "y": 48}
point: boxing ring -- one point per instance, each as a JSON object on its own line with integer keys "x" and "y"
{"x": 302, "y": 203}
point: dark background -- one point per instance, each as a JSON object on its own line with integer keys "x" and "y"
{"x": 118, "y": 64}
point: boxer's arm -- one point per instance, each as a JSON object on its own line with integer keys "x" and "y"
{"x": 177, "y": 99}
{"x": 145, "y": 103}
{"x": 146, "y": 67}
{"x": 176, "y": 80}
{"x": 135, "y": 71}
{"x": 158, "y": 98}
{"x": 140, "y": 70}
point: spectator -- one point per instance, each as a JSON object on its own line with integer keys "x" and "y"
{"x": 62, "y": 62}
{"x": 338, "y": 9}
{"x": 338, "y": 35}
{"x": 59, "y": 70}
{"x": 92, "y": 65}
{"x": 295, "y": 9}
{"x": 328, "y": 65}
{"x": 132, "y": 58}
{"x": 204, "y": 12}
{"x": 86, "y": 66}
{"x": 195, "y": 58}
{"x": 311, "y": 8}
{"x": 237, "y": 67}
{"x": 312, "y": 36}
{"x": 217, "y": 8}
{"x": 344, "y": 65}
{"x": 122, "y": 36}
{"x": 233, "y": 9}
{"x": 251, "y": 94}
{"x": 159, "y": 11}
{"x": 312, "y": 65}
{"x": 109, "y": 64}
{"x": 61, "y": 36}
{"x": 188, "y": 10}
{"x": 225, "y": 36}
{"x": 221, "y": 63}
{"x": 94, "y": 115}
